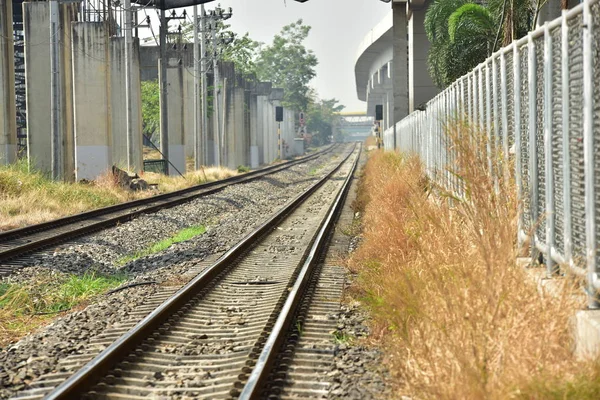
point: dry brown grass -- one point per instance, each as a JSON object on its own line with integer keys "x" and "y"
{"x": 370, "y": 141}
{"x": 29, "y": 197}
{"x": 176, "y": 182}
{"x": 457, "y": 315}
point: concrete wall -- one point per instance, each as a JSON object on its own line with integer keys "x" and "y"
{"x": 118, "y": 105}
{"x": 37, "y": 86}
{"x": 400, "y": 61}
{"x": 8, "y": 127}
{"x": 421, "y": 87}
{"x": 91, "y": 95}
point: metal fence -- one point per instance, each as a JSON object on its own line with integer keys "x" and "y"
{"x": 538, "y": 98}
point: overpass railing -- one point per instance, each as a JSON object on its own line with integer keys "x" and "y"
{"x": 539, "y": 99}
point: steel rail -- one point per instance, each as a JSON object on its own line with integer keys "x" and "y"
{"x": 124, "y": 212}
{"x": 81, "y": 382}
{"x": 260, "y": 372}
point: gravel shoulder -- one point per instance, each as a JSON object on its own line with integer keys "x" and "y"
{"x": 227, "y": 216}
{"x": 358, "y": 371}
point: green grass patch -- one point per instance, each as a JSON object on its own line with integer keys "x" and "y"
{"x": 24, "y": 307}
{"x": 341, "y": 337}
{"x": 181, "y": 236}
{"x": 48, "y": 296}
{"x": 314, "y": 171}
{"x": 243, "y": 168}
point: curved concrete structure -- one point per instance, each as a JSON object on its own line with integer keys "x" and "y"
{"x": 391, "y": 63}
{"x": 373, "y": 69}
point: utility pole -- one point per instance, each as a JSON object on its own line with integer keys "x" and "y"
{"x": 57, "y": 166}
{"x": 164, "y": 126}
{"x": 128, "y": 112}
{"x": 197, "y": 138}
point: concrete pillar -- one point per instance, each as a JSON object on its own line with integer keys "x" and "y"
{"x": 242, "y": 130}
{"x": 118, "y": 105}
{"x": 8, "y": 122}
{"x": 210, "y": 135}
{"x": 288, "y": 132}
{"x": 188, "y": 110}
{"x": 253, "y": 130}
{"x": 229, "y": 133}
{"x": 37, "y": 85}
{"x": 176, "y": 117}
{"x": 263, "y": 89}
{"x": 91, "y": 96}
{"x": 261, "y": 126}
{"x": 400, "y": 61}
{"x": 421, "y": 87}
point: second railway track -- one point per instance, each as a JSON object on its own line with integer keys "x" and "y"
{"x": 222, "y": 328}
{"x": 19, "y": 243}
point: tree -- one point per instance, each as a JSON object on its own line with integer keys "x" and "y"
{"x": 241, "y": 50}
{"x": 150, "y": 108}
{"x": 322, "y": 116}
{"x": 289, "y": 65}
{"x": 463, "y": 34}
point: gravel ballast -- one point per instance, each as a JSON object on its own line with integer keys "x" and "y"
{"x": 227, "y": 215}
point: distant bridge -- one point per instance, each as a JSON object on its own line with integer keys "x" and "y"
{"x": 355, "y": 125}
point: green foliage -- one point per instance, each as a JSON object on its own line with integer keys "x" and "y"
{"x": 243, "y": 168}
{"x": 181, "y": 236}
{"x": 150, "y": 109}
{"x": 289, "y": 65}
{"x": 462, "y": 33}
{"x": 241, "y": 51}
{"x": 470, "y": 20}
{"x": 322, "y": 117}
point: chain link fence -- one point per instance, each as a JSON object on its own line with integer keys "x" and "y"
{"x": 539, "y": 100}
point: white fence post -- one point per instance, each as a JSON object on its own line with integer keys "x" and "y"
{"x": 533, "y": 162}
{"x": 566, "y": 137}
{"x": 588, "y": 155}
{"x": 517, "y": 122}
{"x": 549, "y": 172}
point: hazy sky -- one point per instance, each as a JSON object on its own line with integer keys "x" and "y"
{"x": 338, "y": 27}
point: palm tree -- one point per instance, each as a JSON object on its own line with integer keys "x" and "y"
{"x": 462, "y": 33}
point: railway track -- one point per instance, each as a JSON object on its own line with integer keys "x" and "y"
{"x": 17, "y": 244}
{"x": 222, "y": 334}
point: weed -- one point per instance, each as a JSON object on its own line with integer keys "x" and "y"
{"x": 341, "y": 337}
{"x": 25, "y": 306}
{"x": 299, "y": 328}
{"x": 181, "y": 236}
{"x": 438, "y": 270}
{"x": 242, "y": 169}
{"x": 314, "y": 171}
